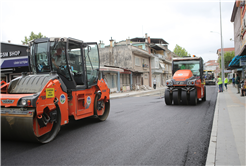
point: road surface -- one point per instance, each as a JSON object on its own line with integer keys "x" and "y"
{"x": 140, "y": 130}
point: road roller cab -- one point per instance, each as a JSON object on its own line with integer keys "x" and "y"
{"x": 186, "y": 85}
{"x": 64, "y": 83}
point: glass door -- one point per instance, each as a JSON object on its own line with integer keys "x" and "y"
{"x": 92, "y": 63}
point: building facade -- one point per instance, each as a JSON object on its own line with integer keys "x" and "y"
{"x": 14, "y": 60}
{"x": 238, "y": 18}
{"x": 142, "y": 59}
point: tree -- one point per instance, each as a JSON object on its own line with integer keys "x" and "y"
{"x": 228, "y": 56}
{"x": 32, "y": 36}
{"x": 181, "y": 52}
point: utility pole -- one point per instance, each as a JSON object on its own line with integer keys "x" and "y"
{"x": 222, "y": 51}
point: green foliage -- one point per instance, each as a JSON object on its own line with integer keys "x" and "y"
{"x": 181, "y": 52}
{"x": 32, "y": 36}
{"x": 228, "y": 56}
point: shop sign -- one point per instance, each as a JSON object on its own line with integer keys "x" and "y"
{"x": 14, "y": 62}
{"x": 243, "y": 62}
{"x": 9, "y": 54}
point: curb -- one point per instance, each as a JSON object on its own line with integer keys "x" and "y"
{"x": 211, "y": 156}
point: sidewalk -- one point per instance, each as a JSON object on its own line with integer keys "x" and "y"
{"x": 158, "y": 90}
{"x": 227, "y": 141}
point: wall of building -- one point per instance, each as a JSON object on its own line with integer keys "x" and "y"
{"x": 237, "y": 32}
{"x": 140, "y": 45}
{"x": 210, "y": 67}
{"x": 142, "y": 65}
{"x": 120, "y": 56}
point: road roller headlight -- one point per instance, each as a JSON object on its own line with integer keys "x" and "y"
{"x": 191, "y": 82}
{"x": 169, "y": 83}
{"x": 24, "y": 102}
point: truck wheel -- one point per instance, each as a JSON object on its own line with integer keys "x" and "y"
{"x": 184, "y": 97}
{"x": 168, "y": 97}
{"x": 176, "y": 97}
{"x": 193, "y": 97}
{"x": 101, "y": 109}
{"x": 204, "y": 98}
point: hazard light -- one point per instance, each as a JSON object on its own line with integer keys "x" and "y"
{"x": 191, "y": 82}
{"x": 28, "y": 102}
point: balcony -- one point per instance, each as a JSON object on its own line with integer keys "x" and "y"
{"x": 161, "y": 56}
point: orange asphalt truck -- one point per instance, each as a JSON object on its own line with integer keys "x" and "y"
{"x": 186, "y": 85}
{"x": 64, "y": 84}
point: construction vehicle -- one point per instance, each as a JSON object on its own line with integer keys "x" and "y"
{"x": 186, "y": 86}
{"x": 208, "y": 75}
{"x": 64, "y": 84}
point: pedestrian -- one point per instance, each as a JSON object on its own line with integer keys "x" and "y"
{"x": 219, "y": 82}
{"x": 243, "y": 89}
{"x": 233, "y": 80}
{"x": 226, "y": 82}
{"x": 238, "y": 83}
{"x": 154, "y": 82}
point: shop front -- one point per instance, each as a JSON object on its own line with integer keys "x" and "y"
{"x": 14, "y": 60}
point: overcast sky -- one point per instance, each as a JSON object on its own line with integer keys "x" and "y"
{"x": 186, "y": 23}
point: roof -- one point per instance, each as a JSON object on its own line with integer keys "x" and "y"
{"x": 211, "y": 63}
{"x": 226, "y": 50}
{"x": 187, "y": 58}
{"x": 153, "y": 40}
{"x": 14, "y": 44}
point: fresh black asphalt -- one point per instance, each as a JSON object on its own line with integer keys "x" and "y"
{"x": 138, "y": 131}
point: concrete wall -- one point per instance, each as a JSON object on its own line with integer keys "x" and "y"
{"x": 120, "y": 56}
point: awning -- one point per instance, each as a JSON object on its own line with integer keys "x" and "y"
{"x": 235, "y": 62}
{"x": 111, "y": 69}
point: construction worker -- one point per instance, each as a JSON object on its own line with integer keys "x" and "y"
{"x": 219, "y": 82}
{"x": 226, "y": 82}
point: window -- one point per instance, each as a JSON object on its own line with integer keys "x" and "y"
{"x": 41, "y": 58}
{"x": 75, "y": 62}
{"x": 137, "y": 61}
{"x": 194, "y": 66}
{"x": 58, "y": 59}
{"x": 92, "y": 63}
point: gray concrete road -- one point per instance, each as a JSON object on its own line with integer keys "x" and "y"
{"x": 138, "y": 131}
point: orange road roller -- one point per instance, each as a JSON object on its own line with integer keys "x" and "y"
{"x": 64, "y": 82}
{"x": 186, "y": 86}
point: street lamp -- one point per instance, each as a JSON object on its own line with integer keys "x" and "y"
{"x": 222, "y": 51}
